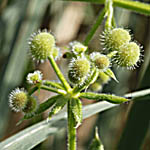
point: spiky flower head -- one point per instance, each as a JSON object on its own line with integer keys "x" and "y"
{"x": 101, "y": 61}
{"x": 113, "y": 39}
{"x": 30, "y": 106}
{"x": 128, "y": 55}
{"x": 41, "y": 45}
{"x": 77, "y": 47}
{"x": 35, "y": 77}
{"x": 78, "y": 69}
{"x": 18, "y": 99}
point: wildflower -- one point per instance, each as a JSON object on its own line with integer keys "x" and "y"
{"x": 35, "y": 77}
{"x": 78, "y": 69}
{"x": 128, "y": 55}
{"x": 77, "y": 47}
{"x": 18, "y": 99}
{"x": 101, "y": 61}
{"x": 41, "y": 45}
{"x": 115, "y": 38}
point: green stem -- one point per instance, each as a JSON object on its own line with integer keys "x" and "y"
{"x": 59, "y": 74}
{"x": 53, "y": 84}
{"x": 107, "y": 97}
{"x": 109, "y": 13}
{"x": 138, "y": 7}
{"x": 71, "y": 129}
{"x": 31, "y": 91}
{"x": 59, "y": 91}
{"x": 94, "y": 27}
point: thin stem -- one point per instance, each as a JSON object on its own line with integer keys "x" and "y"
{"x": 53, "y": 84}
{"x": 31, "y": 91}
{"x": 94, "y": 27}
{"x": 107, "y": 97}
{"x": 71, "y": 130}
{"x": 34, "y": 89}
{"x": 59, "y": 74}
{"x": 59, "y": 91}
{"x": 109, "y": 13}
{"x": 138, "y": 7}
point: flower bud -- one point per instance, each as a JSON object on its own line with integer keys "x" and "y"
{"x": 96, "y": 86}
{"x": 101, "y": 61}
{"x": 115, "y": 38}
{"x": 103, "y": 78}
{"x": 41, "y": 45}
{"x": 78, "y": 70}
{"x": 35, "y": 77}
{"x": 128, "y": 55}
{"x": 30, "y": 106}
{"x": 77, "y": 47}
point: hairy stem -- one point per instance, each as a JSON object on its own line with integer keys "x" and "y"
{"x": 138, "y": 7}
{"x": 71, "y": 129}
{"x": 109, "y": 13}
{"x": 59, "y": 73}
{"x": 59, "y": 91}
{"x": 94, "y": 27}
{"x": 53, "y": 84}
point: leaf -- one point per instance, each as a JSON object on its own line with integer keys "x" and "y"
{"x": 32, "y": 136}
{"x": 76, "y": 107}
{"x": 111, "y": 74}
{"x": 107, "y": 97}
{"x": 96, "y": 143}
{"x": 60, "y": 103}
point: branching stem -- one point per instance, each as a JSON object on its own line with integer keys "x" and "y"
{"x": 59, "y": 74}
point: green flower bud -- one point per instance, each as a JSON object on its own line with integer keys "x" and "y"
{"x": 35, "y": 77}
{"x": 101, "y": 61}
{"x": 128, "y": 55}
{"x": 41, "y": 45}
{"x": 115, "y": 38}
{"x": 77, "y": 47}
{"x": 96, "y": 86}
{"x": 78, "y": 70}
{"x": 103, "y": 78}
{"x": 18, "y": 99}
{"x": 30, "y": 106}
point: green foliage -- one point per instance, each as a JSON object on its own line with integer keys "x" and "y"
{"x": 85, "y": 70}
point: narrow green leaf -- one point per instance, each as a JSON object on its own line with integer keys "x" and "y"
{"x": 60, "y": 103}
{"x": 76, "y": 107}
{"x": 107, "y": 97}
{"x": 32, "y": 136}
{"x": 110, "y": 73}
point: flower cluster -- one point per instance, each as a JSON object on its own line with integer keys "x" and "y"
{"x": 85, "y": 70}
{"x": 128, "y": 52}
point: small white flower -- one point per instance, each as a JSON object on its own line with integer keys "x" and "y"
{"x": 18, "y": 99}
{"x": 77, "y": 47}
{"x": 35, "y": 77}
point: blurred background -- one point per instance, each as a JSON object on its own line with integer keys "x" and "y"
{"x": 125, "y": 127}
